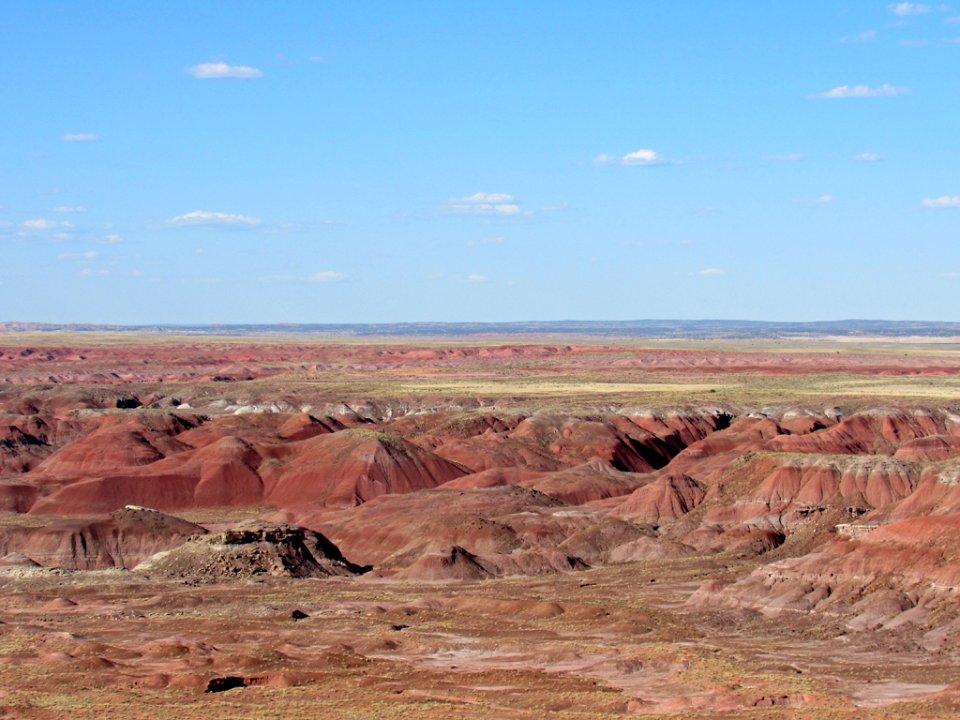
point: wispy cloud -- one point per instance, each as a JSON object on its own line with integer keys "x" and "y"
{"x": 326, "y": 276}
{"x": 865, "y": 36}
{"x": 88, "y": 255}
{"x": 41, "y": 224}
{"x": 476, "y": 278}
{"x": 905, "y": 9}
{"x": 868, "y": 157}
{"x": 218, "y": 70}
{"x": 113, "y": 239}
{"x": 945, "y": 201}
{"x": 825, "y": 199}
{"x": 644, "y": 157}
{"x": 842, "y": 92}
{"x": 80, "y": 137}
{"x": 40, "y": 228}
{"x": 711, "y": 272}
{"x": 930, "y": 43}
{"x": 88, "y": 263}
{"x": 208, "y": 217}
{"x": 787, "y": 157}
{"x": 952, "y": 274}
{"x": 483, "y": 203}
{"x": 68, "y": 210}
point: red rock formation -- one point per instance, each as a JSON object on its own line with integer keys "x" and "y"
{"x": 220, "y": 474}
{"x": 906, "y": 573}
{"x": 930, "y": 448}
{"x": 401, "y": 528}
{"x": 17, "y": 497}
{"x": 875, "y": 432}
{"x": 784, "y": 492}
{"x": 119, "y": 442}
{"x": 664, "y": 499}
{"x": 351, "y": 467}
{"x": 509, "y": 529}
{"x": 122, "y": 539}
{"x": 453, "y": 563}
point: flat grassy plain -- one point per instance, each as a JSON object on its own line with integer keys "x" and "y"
{"x": 569, "y": 372}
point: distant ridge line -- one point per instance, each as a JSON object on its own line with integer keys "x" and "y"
{"x": 671, "y": 329}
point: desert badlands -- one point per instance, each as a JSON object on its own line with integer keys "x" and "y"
{"x": 199, "y": 527}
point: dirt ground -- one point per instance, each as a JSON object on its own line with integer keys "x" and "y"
{"x": 596, "y": 644}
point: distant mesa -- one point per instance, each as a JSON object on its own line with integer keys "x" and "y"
{"x": 704, "y": 329}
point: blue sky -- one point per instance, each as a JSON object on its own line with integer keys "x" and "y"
{"x": 176, "y": 162}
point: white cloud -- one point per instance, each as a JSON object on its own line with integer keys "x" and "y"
{"x": 865, "y": 36}
{"x": 42, "y": 224}
{"x": 824, "y": 199}
{"x": 208, "y": 217}
{"x": 113, "y": 239}
{"x": 945, "y": 201}
{"x": 326, "y": 276}
{"x": 64, "y": 209}
{"x": 952, "y": 274}
{"x": 904, "y": 9}
{"x": 711, "y": 272}
{"x": 482, "y": 203}
{"x": 94, "y": 272}
{"x": 644, "y": 157}
{"x": 88, "y": 255}
{"x": 788, "y": 157}
{"x": 476, "y": 278}
{"x": 481, "y": 197}
{"x": 842, "y": 92}
{"x": 81, "y": 137}
{"x": 868, "y": 157}
{"x": 215, "y": 71}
